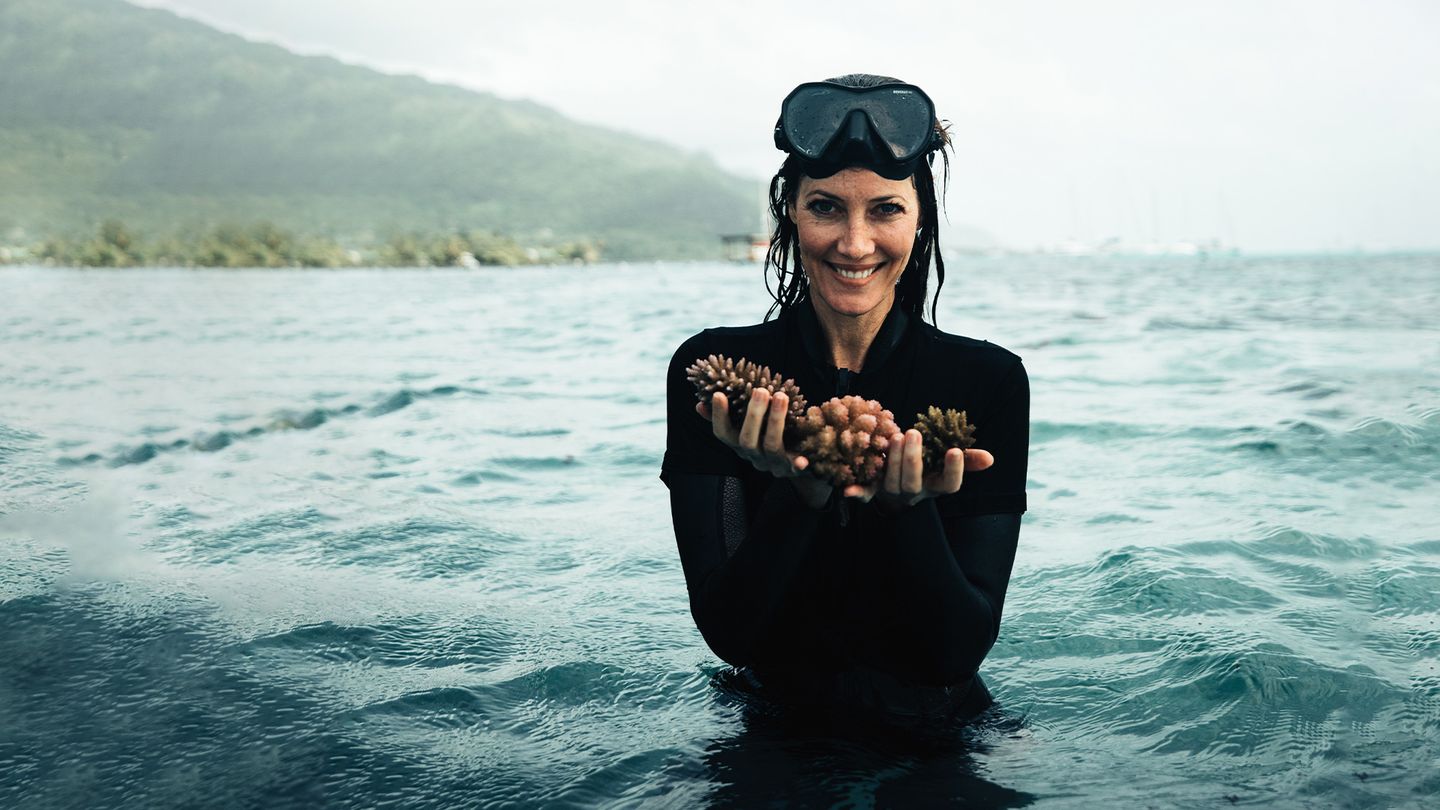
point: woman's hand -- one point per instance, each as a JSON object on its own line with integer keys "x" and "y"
{"x": 904, "y": 484}
{"x": 760, "y": 440}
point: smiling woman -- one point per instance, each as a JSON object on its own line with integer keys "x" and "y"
{"x": 884, "y": 595}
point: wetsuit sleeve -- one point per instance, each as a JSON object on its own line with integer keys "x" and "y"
{"x": 739, "y": 560}
{"x": 949, "y": 577}
{"x": 1003, "y": 427}
{"x": 949, "y": 559}
{"x": 740, "y": 546}
{"x": 690, "y": 444}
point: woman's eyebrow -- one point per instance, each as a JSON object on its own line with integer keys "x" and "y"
{"x": 837, "y": 198}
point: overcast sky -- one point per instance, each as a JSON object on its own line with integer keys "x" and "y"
{"x": 1269, "y": 125}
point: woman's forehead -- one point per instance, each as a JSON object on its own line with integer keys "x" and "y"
{"x": 857, "y": 182}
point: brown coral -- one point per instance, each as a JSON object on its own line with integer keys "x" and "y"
{"x": 736, "y": 379}
{"x": 940, "y": 431}
{"x": 845, "y": 439}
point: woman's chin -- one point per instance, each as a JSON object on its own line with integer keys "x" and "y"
{"x": 853, "y": 306}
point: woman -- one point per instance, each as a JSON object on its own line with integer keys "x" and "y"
{"x": 887, "y": 595}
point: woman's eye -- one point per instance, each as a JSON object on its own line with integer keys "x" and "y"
{"x": 890, "y": 209}
{"x": 820, "y": 207}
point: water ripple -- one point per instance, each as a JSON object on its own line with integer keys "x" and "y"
{"x": 280, "y": 421}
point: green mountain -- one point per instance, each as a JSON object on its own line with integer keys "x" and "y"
{"x": 110, "y": 111}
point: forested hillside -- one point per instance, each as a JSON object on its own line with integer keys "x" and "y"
{"x": 113, "y": 112}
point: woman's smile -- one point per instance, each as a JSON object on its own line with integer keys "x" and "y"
{"x": 857, "y": 273}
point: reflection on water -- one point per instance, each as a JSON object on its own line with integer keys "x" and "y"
{"x": 785, "y": 755}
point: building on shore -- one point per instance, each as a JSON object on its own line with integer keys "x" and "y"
{"x": 745, "y": 247}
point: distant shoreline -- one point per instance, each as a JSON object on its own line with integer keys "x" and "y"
{"x": 955, "y": 256}
{"x": 263, "y": 245}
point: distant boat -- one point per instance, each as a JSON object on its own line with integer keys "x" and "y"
{"x": 745, "y": 247}
{"x": 751, "y": 248}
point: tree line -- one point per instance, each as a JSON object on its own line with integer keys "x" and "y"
{"x": 264, "y": 244}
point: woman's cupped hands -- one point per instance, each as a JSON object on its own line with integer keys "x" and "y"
{"x": 760, "y": 440}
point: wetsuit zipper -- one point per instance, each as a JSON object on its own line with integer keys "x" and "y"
{"x": 843, "y": 378}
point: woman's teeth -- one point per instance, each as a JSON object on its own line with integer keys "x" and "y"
{"x": 856, "y": 274}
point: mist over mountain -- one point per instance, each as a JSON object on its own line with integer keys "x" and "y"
{"x": 108, "y": 110}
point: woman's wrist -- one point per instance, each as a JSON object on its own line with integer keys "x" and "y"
{"x": 891, "y": 506}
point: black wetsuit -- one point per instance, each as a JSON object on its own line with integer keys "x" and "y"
{"x": 849, "y": 605}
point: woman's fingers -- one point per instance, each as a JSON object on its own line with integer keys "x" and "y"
{"x": 760, "y": 437}
{"x": 720, "y": 419}
{"x": 761, "y": 440}
{"x": 976, "y": 460}
{"x": 775, "y": 427}
{"x": 893, "y": 463}
{"x": 912, "y": 471}
{"x": 861, "y": 492}
{"x": 953, "y": 474}
{"x": 754, "y": 419}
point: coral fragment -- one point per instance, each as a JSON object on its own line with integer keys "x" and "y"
{"x": 940, "y": 431}
{"x": 737, "y": 380}
{"x": 845, "y": 439}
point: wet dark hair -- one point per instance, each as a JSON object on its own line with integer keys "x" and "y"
{"x": 791, "y": 286}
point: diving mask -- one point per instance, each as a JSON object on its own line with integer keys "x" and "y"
{"x": 887, "y": 128}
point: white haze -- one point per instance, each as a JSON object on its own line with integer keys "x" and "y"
{"x": 1273, "y": 126}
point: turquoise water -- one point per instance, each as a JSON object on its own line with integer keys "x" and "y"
{"x": 396, "y": 539}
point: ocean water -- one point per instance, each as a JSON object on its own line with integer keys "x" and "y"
{"x": 396, "y": 539}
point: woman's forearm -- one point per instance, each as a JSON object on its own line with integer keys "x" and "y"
{"x": 734, "y": 597}
{"x": 946, "y": 611}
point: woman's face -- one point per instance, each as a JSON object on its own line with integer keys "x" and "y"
{"x": 856, "y": 233}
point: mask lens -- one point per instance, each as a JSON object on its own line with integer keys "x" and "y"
{"x": 902, "y": 117}
{"x": 812, "y": 116}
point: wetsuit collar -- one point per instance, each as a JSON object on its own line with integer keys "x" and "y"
{"x": 890, "y": 334}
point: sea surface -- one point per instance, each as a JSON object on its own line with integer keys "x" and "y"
{"x": 396, "y": 539}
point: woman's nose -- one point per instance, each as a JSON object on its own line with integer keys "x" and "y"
{"x": 857, "y": 241}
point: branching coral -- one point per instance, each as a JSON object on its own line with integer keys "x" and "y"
{"x": 845, "y": 439}
{"x": 736, "y": 379}
{"x": 940, "y": 431}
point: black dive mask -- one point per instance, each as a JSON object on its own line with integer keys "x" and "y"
{"x": 828, "y": 127}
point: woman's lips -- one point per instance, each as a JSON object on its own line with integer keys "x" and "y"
{"x": 854, "y": 272}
